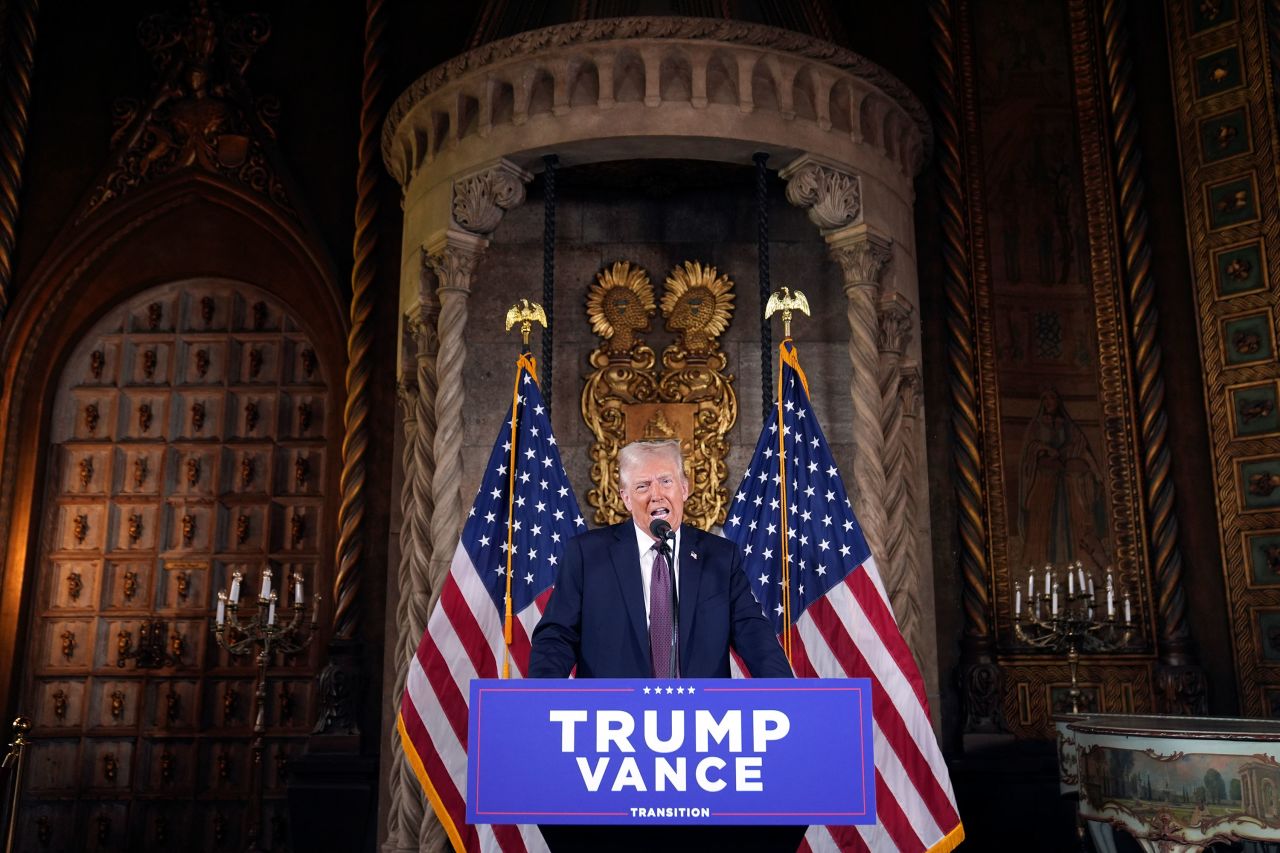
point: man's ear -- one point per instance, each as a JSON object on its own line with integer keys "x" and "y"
{"x": 626, "y": 498}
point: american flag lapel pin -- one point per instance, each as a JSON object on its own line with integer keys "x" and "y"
{"x": 693, "y": 555}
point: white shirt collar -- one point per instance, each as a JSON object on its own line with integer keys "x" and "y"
{"x": 644, "y": 542}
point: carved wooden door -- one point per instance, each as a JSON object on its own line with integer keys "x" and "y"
{"x": 186, "y": 443}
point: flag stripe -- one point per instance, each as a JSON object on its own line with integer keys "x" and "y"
{"x": 871, "y": 599}
{"x": 424, "y": 745}
{"x": 888, "y": 709}
{"x": 890, "y": 815}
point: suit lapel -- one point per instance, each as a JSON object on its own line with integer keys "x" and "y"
{"x": 626, "y": 564}
{"x": 690, "y": 580}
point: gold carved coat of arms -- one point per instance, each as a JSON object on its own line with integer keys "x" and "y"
{"x": 690, "y": 397}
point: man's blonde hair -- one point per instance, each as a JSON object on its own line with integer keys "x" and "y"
{"x": 631, "y": 455}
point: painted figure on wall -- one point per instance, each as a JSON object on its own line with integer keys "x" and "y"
{"x": 1061, "y": 502}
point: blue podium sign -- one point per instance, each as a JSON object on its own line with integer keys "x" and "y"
{"x": 689, "y": 751}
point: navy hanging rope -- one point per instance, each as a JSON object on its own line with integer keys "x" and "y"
{"x": 762, "y": 252}
{"x": 548, "y": 270}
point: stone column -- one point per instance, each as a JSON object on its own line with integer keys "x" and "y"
{"x": 863, "y": 255}
{"x": 900, "y": 576}
{"x": 833, "y": 198}
{"x": 405, "y": 809}
{"x": 478, "y": 203}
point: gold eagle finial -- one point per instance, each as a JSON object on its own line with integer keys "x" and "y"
{"x": 526, "y": 313}
{"x": 786, "y": 301}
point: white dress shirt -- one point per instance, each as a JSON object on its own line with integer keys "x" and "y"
{"x": 647, "y": 555}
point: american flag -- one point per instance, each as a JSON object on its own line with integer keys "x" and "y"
{"x": 841, "y": 624}
{"x": 523, "y": 515}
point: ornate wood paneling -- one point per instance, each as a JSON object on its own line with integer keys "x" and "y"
{"x": 187, "y": 443}
{"x": 1219, "y": 57}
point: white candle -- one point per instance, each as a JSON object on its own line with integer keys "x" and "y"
{"x": 1127, "y": 615}
{"x": 271, "y": 610}
{"x": 222, "y": 607}
{"x": 1017, "y": 600}
{"x": 297, "y": 589}
{"x": 1031, "y": 586}
{"x": 1080, "y": 571}
{"x": 1091, "y": 586}
{"x": 1071, "y": 583}
{"x": 1047, "y": 577}
{"x": 1054, "y": 607}
{"x": 236, "y": 577}
{"x": 266, "y": 584}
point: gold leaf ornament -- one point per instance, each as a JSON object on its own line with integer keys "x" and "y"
{"x": 620, "y": 304}
{"x": 698, "y": 303}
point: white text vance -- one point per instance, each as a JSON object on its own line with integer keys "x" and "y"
{"x": 743, "y": 742}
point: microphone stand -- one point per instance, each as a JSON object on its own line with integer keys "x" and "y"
{"x": 666, "y": 550}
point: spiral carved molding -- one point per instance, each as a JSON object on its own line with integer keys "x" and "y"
{"x": 901, "y": 578}
{"x": 1166, "y": 558}
{"x": 355, "y": 442}
{"x": 19, "y": 63}
{"x": 453, "y": 259}
{"x": 863, "y": 257}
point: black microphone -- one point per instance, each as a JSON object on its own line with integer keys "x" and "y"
{"x": 661, "y": 530}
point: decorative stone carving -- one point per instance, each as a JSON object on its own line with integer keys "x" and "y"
{"x": 833, "y": 197}
{"x": 863, "y": 261}
{"x": 480, "y": 199}
{"x": 200, "y": 114}
{"x": 895, "y": 321}
{"x": 843, "y": 94}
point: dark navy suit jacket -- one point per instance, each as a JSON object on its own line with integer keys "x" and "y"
{"x": 596, "y": 617}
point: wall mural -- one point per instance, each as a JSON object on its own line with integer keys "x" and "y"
{"x": 1059, "y": 453}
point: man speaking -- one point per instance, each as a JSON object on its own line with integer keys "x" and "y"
{"x": 652, "y": 597}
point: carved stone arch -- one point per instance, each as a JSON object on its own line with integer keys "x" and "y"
{"x": 468, "y": 112}
{"x": 504, "y": 99}
{"x": 542, "y": 91}
{"x": 440, "y": 126}
{"x": 722, "y": 79}
{"x": 840, "y": 108}
{"x": 871, "y": 115}
{"x": 628, "y": 77}
{"x": 675, "y": 76}
{"x": 764, "y": 83}
{"x": 584, "y": 88}
{"x": 804, "y": 94}
{"x": 180, "y": 228}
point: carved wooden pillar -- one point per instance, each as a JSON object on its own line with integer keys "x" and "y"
{"x": 900, "y": 576}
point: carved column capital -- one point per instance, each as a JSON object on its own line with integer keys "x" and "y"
{"x": 832, "y": 195}
{"x": 863, "y": 255}
{"x": 895, "y": 323}
{"x": 407, "y": 395}
{"x": 452, "y": 255}
{"x": 481, "y": 197}
{"x": 910, "y": 392}
{"x": 420, "y": 323}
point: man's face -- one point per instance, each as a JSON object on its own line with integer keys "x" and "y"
{"x": 655, "y": 487}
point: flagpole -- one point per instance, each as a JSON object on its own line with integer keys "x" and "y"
{"x": 786, "y": 301}
{"x": 525, "y": 313}
{"x": 511, "y": 499}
